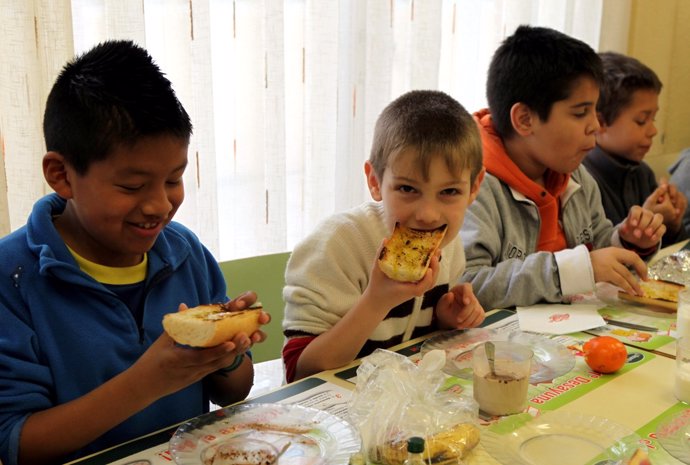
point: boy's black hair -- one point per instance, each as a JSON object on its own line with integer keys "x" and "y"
{"x": 536, "y": 66}
{"x": 113, "y": 94}
{"x": 623, "y": 75}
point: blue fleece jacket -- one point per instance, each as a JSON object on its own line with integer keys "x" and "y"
{"x": 62, "y": 334}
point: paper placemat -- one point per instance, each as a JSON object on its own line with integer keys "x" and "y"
{"x": 657, "y": 453}
{"x": 648, "y": 340}
{"x": 153, "y": 449}
{"x": 570, "y": 386}
{"x": 548, "y": 395}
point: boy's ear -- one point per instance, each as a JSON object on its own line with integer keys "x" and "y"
{"x": 55, "y": 174}
{"x": 372, "y": 181}
{"x": 521, "y": 118}
{"x": 474, "y": 190}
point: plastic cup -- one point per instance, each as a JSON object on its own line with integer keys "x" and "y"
{"x": 503, "y": 391}
{"x": 682, "y": 385}
{"x": 683, "y": 314}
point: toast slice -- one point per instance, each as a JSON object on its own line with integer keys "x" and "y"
{"x": 407, "y": 254}
{"x": 663, "y": 290}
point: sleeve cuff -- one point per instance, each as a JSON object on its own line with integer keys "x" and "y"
{"x": 575, "y": 270}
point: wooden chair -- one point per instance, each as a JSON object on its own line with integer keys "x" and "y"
{"x": 265, "y": 275}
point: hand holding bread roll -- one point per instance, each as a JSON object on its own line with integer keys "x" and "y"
{"x": 210, "y": 325}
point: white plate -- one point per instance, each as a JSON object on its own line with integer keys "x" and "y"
{"x": 563, "y": 438}
{"x": 551, "y": 358}
{"x": 674, "y": 435}
{"x": 309, "y": 436}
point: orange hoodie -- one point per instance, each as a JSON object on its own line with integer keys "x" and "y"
{"x": 499, "y": 164}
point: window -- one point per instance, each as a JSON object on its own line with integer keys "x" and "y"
{"x": 283, "y": 94}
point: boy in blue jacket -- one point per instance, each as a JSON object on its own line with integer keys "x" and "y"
{"x": 85, "y": 363}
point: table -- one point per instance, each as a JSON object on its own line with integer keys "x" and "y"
{"x": 638, "y": 397}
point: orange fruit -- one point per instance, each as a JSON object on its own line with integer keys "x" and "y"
{"x": 605, "y": 354}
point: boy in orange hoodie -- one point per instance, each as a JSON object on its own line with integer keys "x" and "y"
{"x": 537, "y": 230}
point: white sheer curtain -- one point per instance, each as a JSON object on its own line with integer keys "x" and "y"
{"x": 283, "y": 94}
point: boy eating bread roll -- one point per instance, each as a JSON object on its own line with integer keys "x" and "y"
{"x": 100, "y": 261}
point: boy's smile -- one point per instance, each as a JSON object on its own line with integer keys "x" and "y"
{"x": 117, "y": 209}
{"x": 423, "y": 203}
{"x": 630, "y": 134}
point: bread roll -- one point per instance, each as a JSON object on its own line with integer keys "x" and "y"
{"x": 407, "y": 254}
{"x": 210, "y": 325}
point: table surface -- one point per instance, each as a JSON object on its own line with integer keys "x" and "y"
{"x": 638, "y": 398}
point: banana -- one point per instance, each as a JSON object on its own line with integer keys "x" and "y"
{"x": 442, "y": 448}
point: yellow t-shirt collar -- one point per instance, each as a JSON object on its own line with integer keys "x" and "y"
{"x": 110, "y": 274}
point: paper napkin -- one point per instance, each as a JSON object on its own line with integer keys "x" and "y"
{"x": 559, "y": 318}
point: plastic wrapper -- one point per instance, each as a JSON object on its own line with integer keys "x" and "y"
{"x": 395, "y": 399}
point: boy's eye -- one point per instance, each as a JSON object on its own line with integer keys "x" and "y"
{"x": 450, "y": 191}
{"x": 174, "y": 182}
{"x": 129, "y": 188}
{"x": 406, "y": 189}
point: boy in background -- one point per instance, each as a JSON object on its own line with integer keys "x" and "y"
{"x": 424, "y": 170}
{"x": 86, "y": 282}
{"x": 680, "y": 177}
{"x": 537, "y": 230}
{"x": 628, "y": 103}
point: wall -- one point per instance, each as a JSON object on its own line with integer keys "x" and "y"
{"x": 659, "y": 36}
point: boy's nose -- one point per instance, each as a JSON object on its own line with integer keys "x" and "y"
{"x": 427, "y": 213}
{"x": 652, "y": 131}
{"x": 593, "y": 127}
{"x": 157, "y": 205}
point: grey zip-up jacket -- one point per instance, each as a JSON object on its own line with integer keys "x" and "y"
{"x": 500, "y": 235}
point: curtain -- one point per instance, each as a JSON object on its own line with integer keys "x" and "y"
{"x": 283, "y": 94}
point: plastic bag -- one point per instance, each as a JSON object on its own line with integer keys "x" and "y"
{"x": 394, "y": 399}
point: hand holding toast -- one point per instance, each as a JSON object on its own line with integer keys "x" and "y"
{"x": 613, "y": 264}
{"x": 389, "y": 293}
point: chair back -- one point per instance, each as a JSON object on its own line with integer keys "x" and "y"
{"x": 265, "y": 275}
